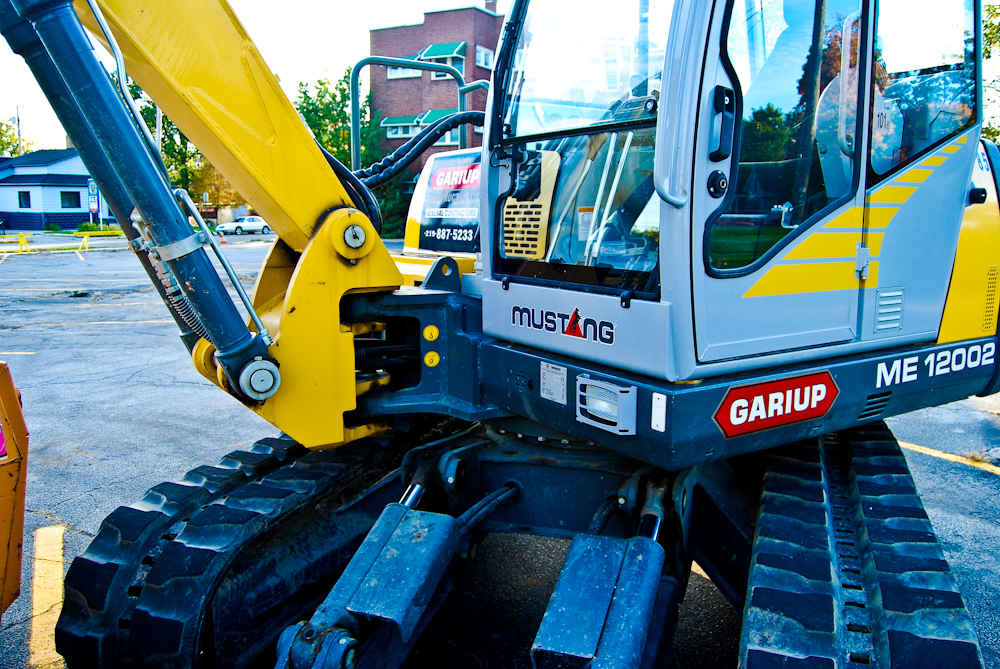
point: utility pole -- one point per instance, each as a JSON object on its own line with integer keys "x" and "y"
{"x": 17, "y": 122}
{"x": 159, "y": 129}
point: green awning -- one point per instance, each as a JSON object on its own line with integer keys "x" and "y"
{"x": 432, "y": 115}
{"x": 399, "y": 120}
{"x": 443, "y": 51}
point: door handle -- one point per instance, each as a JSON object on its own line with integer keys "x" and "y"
{"x": 725, "y": 104}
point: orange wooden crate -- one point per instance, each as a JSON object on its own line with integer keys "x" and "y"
{"x": 13, "y": 470}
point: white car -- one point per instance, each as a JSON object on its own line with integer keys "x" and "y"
{"x": 244, "y": 224}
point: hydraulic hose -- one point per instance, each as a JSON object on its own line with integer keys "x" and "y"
{"x": 393, "y": 165}
{"x": 359, "y": 184}
{"x": 356, "y": 189}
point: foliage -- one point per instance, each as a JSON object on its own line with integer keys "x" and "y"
{"x": 8, "y": 140}
{"x": 88, "y": 227}
{"x": 52, "y": 227}
{"x": 179, "y": 155}
{"x": 765, "y": 135}
{"x": 991, "y": 41}
{"x": 991, "y": 29}
{"x": 186, "y": 166}
{"x": 206, "y": 179}
{"x": 326, "y": 108}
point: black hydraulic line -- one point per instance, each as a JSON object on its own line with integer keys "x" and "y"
{"x": 604, "y": 515}
{"x": 363, "y": 198}
{"x": 484, "y": 507}
{"x": 393, "y": 165}
{"x": 24, "y": 41}
{"x": 70, "y": 50}
{"x": 358, "y": 184}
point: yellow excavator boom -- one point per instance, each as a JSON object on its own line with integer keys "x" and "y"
{"x": 196, "y": 61}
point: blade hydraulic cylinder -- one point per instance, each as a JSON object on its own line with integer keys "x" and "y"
{"x": 60, "y": 31}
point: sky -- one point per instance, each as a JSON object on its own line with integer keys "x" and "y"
{"x": 304, "y": 41}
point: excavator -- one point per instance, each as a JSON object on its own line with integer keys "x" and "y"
{"x": 714, "y": 244}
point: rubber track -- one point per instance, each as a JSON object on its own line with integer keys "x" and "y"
{"x": 846, "y": 569}
{"x": 138, "y": 595}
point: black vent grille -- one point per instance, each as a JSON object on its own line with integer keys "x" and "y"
{"x": 875, "y": 405}
{"x": 523, "y": 381}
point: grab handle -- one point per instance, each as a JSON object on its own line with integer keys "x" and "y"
{"x": 725, "y": 104}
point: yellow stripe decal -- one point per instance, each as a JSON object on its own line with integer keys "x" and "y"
{"x": 848, "y": 219}
{"x": 809, "y": 278}
{"x": 826, "y": 245}
{"x": 934, "y": 161}
{"x": 874, "y": 243}
{"x": 962, "y": 140}
{"x": 892, "y": 194}
{"x": 951, "y": 149}
{"x": 880, "y": 217}
{"x": 915, "y": 176}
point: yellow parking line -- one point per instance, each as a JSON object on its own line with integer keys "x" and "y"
{"x": 951, "y": 457}
{"x": 46, "y": 597}
{"x": 78, "y": 255}
{"x": 17, "y": 353}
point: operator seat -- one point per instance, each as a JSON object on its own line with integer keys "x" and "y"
{"x": 777, "y": 81}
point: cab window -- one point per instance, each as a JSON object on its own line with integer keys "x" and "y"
{"x": 924, "y": 79}
{"x": 797, "y": 81}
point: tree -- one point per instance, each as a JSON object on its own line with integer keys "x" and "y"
{"x": 765, "y": 135}
{"x": 180, "y": 155}
{"x": 8, "y": 140}
{"x": 206, "y": 179}
{"x": 991, "y": 41}
{"x": 326, "y": 108}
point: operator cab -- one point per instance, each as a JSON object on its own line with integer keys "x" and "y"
{"x": 684, "y": 188}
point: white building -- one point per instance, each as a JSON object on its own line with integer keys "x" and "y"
{"x": 45, "y": 187}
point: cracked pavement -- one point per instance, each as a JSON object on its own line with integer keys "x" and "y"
{"x": 111, "y": 399}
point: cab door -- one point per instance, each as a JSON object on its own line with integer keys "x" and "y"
{"x": 777, "y": 246}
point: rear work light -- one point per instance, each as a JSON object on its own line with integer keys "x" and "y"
{"x": 605, "y": 405}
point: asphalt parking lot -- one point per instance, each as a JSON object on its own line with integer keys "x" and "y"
{"x": 114, "y": 406}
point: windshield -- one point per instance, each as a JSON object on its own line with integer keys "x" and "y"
{"x": 584, "y": 211}
{"x": 593, "y": 65}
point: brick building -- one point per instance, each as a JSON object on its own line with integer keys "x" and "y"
{"x": 410, "y": 99}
